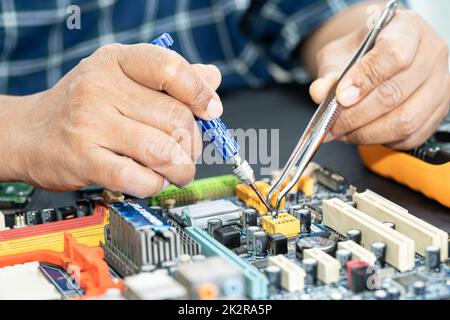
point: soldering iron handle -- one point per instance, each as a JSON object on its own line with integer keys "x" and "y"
{"x": 216, "y": 131}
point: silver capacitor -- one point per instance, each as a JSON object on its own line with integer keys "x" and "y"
{"x": 260, "y": 243}
{"x": 433, "y": 258}
{"x": 343, "y": 256}
{"x": 213, "y": 224}
{"x": 379, "y": 250}
{"x": 250, "y": 218}
{"x": 354, "y": 235}
{"x": 310, "y": 266}
{"x": 273, "y": 274}
{"x": 250, "y": 232}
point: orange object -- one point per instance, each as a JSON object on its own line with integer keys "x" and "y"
{"x": 84, "y": 263}
{"x": 208, "y": 291}
{"x": 431, "y": 180}
{"x": 246, "y": 194}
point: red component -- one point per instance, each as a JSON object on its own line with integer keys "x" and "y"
{"x": 350, "y": 266}
{"x": 98, "y": 217}
{"x": 80, "y": 261}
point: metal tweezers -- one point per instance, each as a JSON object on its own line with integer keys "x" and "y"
{"x": 325, "y": 116}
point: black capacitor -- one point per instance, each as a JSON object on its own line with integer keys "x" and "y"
{"x": 213, "y": 224}
{"x": 310, "y": 266}
{"x": 433, "y": 258}
{"x": 260, "y": 243}
{"x": 273, "y": 274}
{"x": 389, "y": 225}
{"x": 305, "y": 221}
{"x": 250, "y": 218}
{"x": 393, "y": 293}
{"x": 358, "y": 278}
{"x": 294, "y": 208}
{"x": 343, "y": 256}
{"x": 419, "y": 288}
{"x": 354, "y": 235}
{"x": 48, "y": 215}
{"x": 321, "y": 243}
{"x": 249, "y": 235}
{"x": 379, "y": 250}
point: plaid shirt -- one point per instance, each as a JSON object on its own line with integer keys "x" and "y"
{"x": 244, "y": 39}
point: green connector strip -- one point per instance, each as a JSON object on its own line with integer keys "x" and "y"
{"x": 256, "y": 283}
{"x": 199, "y": 190}
{"x": 14, "y": 194}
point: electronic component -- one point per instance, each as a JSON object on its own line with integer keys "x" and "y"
{"x": 358, "y": 252}
{"x": 200, "y": 213}
{"x": 112, "y": 196}
{"x": 354, "y": 235}
{"x": 328, "y": 267}
{"x": 331, "y": 179}
{"x": 284, "y": 223}
{"x": 260, "y": 243}
{"x": 199, "y": 190}
{"x": 229, "y": 236}
{"x": 246, "y": 194}
{"x": 250, "y": 218}
{"x": 304, "y": 216}
{"x": 249, "y": 239}
{"x": 341, "y": 217}
{"x": 153, "y": 286}
{"x": 379, "y": 250}
{"x": 357, "y": 275}
{"x": 306, "y": 185}
{"x": 278, "y": 243}
{"x": 343, "y": 256}
{"x": 433, "y": 258}
{"x": 421, "y": 232}
{"x": 292, "y": 275}
{"x": 213, "y": 224}
{"x": 311, "y": 266}
{"x": 211, "y": 278}
{"x": 321, "y": 243}
{"x": 273, "y": 274}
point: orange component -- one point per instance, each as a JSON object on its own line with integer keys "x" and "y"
{"x": 84, "y": 263}
{"x": 208, "y": 291}
{"x": 306, "y": 185}
{"x": 431, "y": 180}
{"x": 246, "y": 194}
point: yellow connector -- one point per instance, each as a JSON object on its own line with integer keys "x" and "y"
{"x": 306, "y": 185}
{"x": 246, "y": 194}
{"x": 285, "y": 224}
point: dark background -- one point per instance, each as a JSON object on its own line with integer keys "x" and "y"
{"x": 288, "y": 108}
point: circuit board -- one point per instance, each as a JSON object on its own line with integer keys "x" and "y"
{"x": 215, "y": 240}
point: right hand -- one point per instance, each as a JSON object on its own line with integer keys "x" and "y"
{"x": 115, "y": 120}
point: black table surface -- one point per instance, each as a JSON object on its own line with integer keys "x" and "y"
{"x": 288, "y": 108}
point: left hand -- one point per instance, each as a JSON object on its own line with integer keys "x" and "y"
{"x": 398, "y": 94}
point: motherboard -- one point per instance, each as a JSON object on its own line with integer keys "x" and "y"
{"x": 214, "y": 239}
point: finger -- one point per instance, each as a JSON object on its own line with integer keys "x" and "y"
{"x": 389, "y": 94}
{"x": 150, "y": 147}
{"x": 118, "y": 173}
{"x": 165, "y": 70}
{"x": 159, "y": 110}
{"x": 210, "y": 74}
{"x": 403, "y": 121}
{"x": 425, "y": 132}
{"x": 394, "y": 51}
{"x": 319, "y": 89}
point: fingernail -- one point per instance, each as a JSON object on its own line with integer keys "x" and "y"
{"x": 349, "y": 96}
{"x": 165, "y": 184}
{"x": 214, "y": 109}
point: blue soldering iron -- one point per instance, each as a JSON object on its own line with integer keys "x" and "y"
{"x": 219, "y": 135}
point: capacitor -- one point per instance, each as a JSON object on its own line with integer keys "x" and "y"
{"x": 343, "y": 256}
{"x": 379, "y": 250}
{"x": 393, "y": 293}
{"x": 157, "y": 210}
{"x": 250, "y": 231}
{"x": 273, "y": 274}
{"x": 321, "y": 243}
{"x": 354, "y": 235}
{"x": 294, "y": 208}
{"x": 305, "y": 220}
{"x": 310, "y": 267}
{"x": 381, "y": 294}
{"x": 433, "y": 258}
{"x": 250, "y": 218}
{"x": 213, "y": 224}
{"x": 260, "y": 243}
{"x": 389, "y": 225}
{"x": 419, "y": 288}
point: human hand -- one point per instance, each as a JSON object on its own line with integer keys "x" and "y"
{"x": 123, "y": 118}
{"x": 398, "y": 94}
